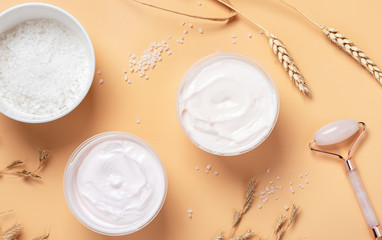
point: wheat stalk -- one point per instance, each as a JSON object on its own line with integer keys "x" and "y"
{"x": 282, "y": 224}
{"x": 12, "y": 232}
{"x": 346, "y": 45}
{"x": 247, "y": 235}
{"x": 280, "y": 51}
{"x": 219, "y": 236}
{"x": 42, "y": 237}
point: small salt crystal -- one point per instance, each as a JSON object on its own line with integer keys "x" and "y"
{"x": 233, "y": 35}
{"x": 268, "y": 170}
{"x": 300, "y": 175}
{"x": 302, "y": 186}
{"x": 291, "y": 190}
{"x": 286, "y": 208}
{"x": 208, "y": 166}
{"x": 197, "y": 168}
{"x": 199, "y": 3}
{"x": 189, "y": 215}
{"x": 277, "y": 197}
{"x": 183, "y": 23}
{"x": 262, "y": 197}
{"x": 279, "y": 187}
{"x": 128, "y": 81}
{"x": 265, "y": 200}
{"x": 250, "y": 35}
{"x": 259, "y": 206}
{"x": 306, "y": 173}
{"x": 129, "y": 55}
{"x": 306, "y": 181}
{"x": 189, "y": 210}
{"x": 138, "y": 120}
{"x": 185, "y": 31}
{"x": 125, "y": 70}
{"x": 126, "y": 78}
{"x": 270, "y": 182}
{"x": 233, "y": 41}
{"x": 278, "y": 178}
{"x": 262, "y": 193}
{"x": 147, "y": 77}
{"x": 169, "y": 52}
{"x": 133, "y": 56}
{"x": 200, "y": 30}
{"x": 216, "y": 173}
{"x": 206, "y": 171}
{"x": 290, "y": 183}
{"x": 101, "y": 81}
{"x": 191, "y": 26}
{"x": 169, "y": 37}
{"x": 99, "y": 72}
{"x": 267, "y": 188}
{"x": 181, "y": 38}
{"x": 261, "y": 31}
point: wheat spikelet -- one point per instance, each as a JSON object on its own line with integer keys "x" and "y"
{"x": 42, "y": 237}
{"x": 348, "y": 46}
{"x": 244, "y": 236}
{"x": 236, "y": 217}
{"x": 12, "y": 232}
{"x": 219, "y": 236}
{"x": 288, "y": 63}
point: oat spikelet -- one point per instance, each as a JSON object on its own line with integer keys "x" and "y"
{"x": 42, "y": 237}
{"x": 293, "y": 214}
{"x": 244, "y": 236}
{"x": 249, "y": 195}
{"x": 13, "y": 164}
{"x": 26, "y": 173}
{"x": 42, "y": 159}
{"x": 236, "y": 217}
{"x": 348, "y": 46}
{"x": 12, "y": 232}
{"x": 283, "y": 224}
{"x": 288, "y": 63}
{"x": 220, "y": 236}
{"x": 280, "y": 222}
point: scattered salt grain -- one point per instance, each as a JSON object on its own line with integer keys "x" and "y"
{"x": 268, "y": 170}
{"x": 101, "y": 81}
{"x": 189, "y": 211}
{"x": 216, "y": 173}
{"x": 250, "y": 35}
{"x": 124, "y": 70}
{"x": 306, "y": 181}
{"x": 209, "y": 166}
{"x": 279, "y": 187}
{"x": 306, "y": 173}
{"x": 261, "y": 31}
{"x": 190, "y": 25}
{"x": 183, "y": 23}
{"x": 126, "y": 78}
{"x": 206, "y": 171}
{"x": 99, "y": 72}
{"x": 189, "y": 215}
{"x": 128, "y": 81}
{"x": 259, "y": 206}
{"x": 277, "y": 197}
{"x": 196, "y": 168}
{"x": 286, "y": 208}
{"x": 290, "y": 183}
{"x": 270, "y": 182}
{"x": 262, "y": 193}
{"x": 265, "y": 200}
{"x": 278, "y": 178}
{"x": 199, "y": 3}
{"x": 233, "y": 41}
{"x": 262, "y": 197}
{"x": 169, "y": 37}
{"x": 138, "y": 121}
{"x": 181, "y": 38}
{"x": 233, "y": 35}
{"x": 291, "y": 190}
{"x": 300, "y": 175}
{"x": 200, "y": 30}
{"x": 185, "y": 31}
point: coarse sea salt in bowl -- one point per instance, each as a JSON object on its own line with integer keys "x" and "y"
{"x": 47, "y": 63}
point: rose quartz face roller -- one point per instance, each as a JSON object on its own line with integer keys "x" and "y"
{"x": 337, "y": 132}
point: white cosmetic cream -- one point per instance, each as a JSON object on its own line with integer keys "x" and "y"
{"x": 227, "y": 104}
{"x": 115, "y": 184}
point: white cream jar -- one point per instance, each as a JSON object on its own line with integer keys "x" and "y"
{"x": 227, "y": 103}
{"x": 115, "y": 184}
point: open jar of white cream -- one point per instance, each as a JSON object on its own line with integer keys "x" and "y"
{"x": 227, "y": 103}
{"x": 115, "y": 184}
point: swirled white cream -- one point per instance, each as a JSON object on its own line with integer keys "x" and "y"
{"x": 120, "y": 185}
{"x": 227, "y": 105}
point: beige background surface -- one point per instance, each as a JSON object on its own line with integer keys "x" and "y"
{"x": 340, "y": 87}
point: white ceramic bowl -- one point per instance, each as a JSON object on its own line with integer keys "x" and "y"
{"x": 23, "y": 12}
{"x": 75, "y": 201}
{"x": 199, "y": 68}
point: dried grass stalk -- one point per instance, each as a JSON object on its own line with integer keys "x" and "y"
{"x": 248, "y": 199}
{"x": 13, "y": 164}
{"x": 42, "y": 237}
{"x": 346, "y": 45}
{"x": 12, "y": 232}
{"x": 244, "y": 236}
{"x": 236, "y": 217}
{"x": 349, "y": 47}
{"x": 26, "y": 173}
{"x": 42, "y": 159}
{"x": 219, "y": 236}
{"x": 280, "y": 51}
{"x": 231, "y": 15}
{"x": 283, "y": 224}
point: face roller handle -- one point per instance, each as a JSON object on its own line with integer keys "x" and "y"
{"x": 363, "y": 200}
{"x": 339, "y": 131}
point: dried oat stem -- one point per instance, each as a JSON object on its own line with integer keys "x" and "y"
{"x": 346, "y": 45}
{"x": 230, "y": 16}
{"x": 280, "y": 51}
{"x": 42, "y": 237}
